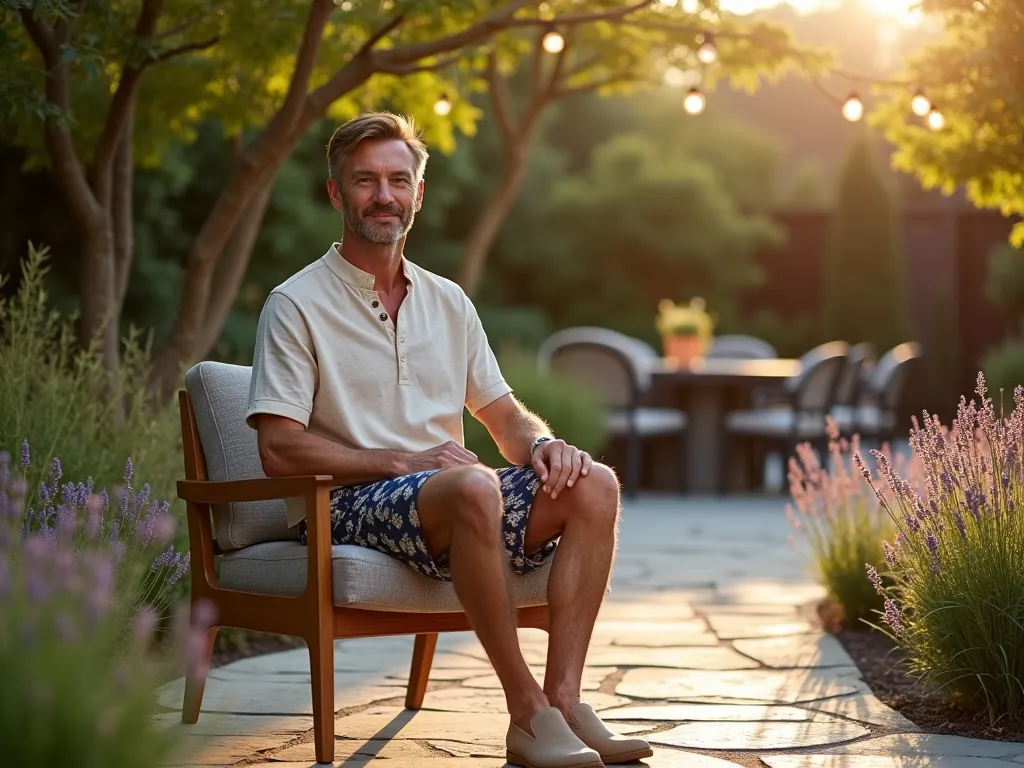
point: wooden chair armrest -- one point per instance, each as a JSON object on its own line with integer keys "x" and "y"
{"x": 257, "y": 489}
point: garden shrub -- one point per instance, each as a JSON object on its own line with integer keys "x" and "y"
{"x": 55, "y": 393}
{"x": 82, "y": 577}
{"x": 1004, "y": 369}
{"x": 955, "y": 604}
{"x": 572, "y": 409}
{"x": 844, "y": 524}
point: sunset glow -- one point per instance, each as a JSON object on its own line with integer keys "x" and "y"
{"x": 901, "y": 11}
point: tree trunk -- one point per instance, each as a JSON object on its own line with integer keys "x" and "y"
{"x": 488, "y": 223}
{"x": 123, "y": 212}
{"x": 101, "y": 314}
{"x": 232, "y": 269}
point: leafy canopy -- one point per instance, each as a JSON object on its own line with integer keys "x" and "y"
{"x": 975, "y": 77}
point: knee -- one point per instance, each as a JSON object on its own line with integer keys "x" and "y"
{"x": 475, "y": 498}
{"x": 597, "y": 495}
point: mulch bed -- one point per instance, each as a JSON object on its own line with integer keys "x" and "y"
{"x": 883, "y": 668}
{"x": 244, "y": 644}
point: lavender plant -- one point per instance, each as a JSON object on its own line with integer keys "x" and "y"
{"x": 80, "y": 585}
{"x": 843, "y": 522}
{"x": 955, "y": 598}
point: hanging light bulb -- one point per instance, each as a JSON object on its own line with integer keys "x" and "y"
{"x": 920, "y": 104}
{"x": 853, "y": 108}
{"x": 443, "y": 105}
{"x": 936, "y": 121}
{"x": 552, "y": 41}
{"x": 694, "y": 102}
{"x": 707, "y": 53}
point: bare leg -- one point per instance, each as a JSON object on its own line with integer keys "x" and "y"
{"x": 587, "y": 517}
{"x": 460, "y": 509}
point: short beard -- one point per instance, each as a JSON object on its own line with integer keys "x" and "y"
{"x": 364, "y": 228}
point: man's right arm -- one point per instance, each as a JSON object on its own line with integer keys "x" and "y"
{"x": 286, "y": 448}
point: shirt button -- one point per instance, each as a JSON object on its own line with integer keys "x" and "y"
{"x": 402, "y": 339}
{"x": 383, "y": 316}
{"x": 375, "y": 304}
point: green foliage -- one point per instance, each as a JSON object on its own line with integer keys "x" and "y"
{"x": 571, "y": 408}
{"x": 974, "y": 78}
{"x": 1004, "y": 367}
{"x": 57, "y": 396}
{"x": 865, "y": 277}
{"x": 843, "y": 523}
{"x": 956, "y": 602}
{"x": 1005, "y": 284}
{"x": 622, "y": 257}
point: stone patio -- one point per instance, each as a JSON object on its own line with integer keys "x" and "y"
{"x": 707, "y": 646}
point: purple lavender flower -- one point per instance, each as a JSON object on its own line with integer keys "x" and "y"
{"x": 947, "y": 482}
{"x": 874, "y": 578}
{"x": 26, "y": 458}
{"x": 960, "y": 525}
{"x": 890, "y": 554}
{"x": 129, "y": 471}
{"x": 932, "y": 543}
{"x": 56, "y": 470}
{"x": 5, "y": 458}
{"x": 894, "y": 616}
{"x": 912, "y": 523}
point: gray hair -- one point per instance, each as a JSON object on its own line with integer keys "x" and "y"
{"x": 374, "y": 125}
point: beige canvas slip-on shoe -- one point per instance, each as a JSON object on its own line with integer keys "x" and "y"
{"x": 552, "y": 745}
{"x": 613, "y": 748}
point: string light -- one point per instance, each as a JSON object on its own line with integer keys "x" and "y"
{"x": 920, "y": 104}
{"x": 936, "y": 121}
{"x": 694, "y": 102}
{"x": 853, "y": 108}
{"x": 443, "y": 105}
{"x": 552, "y": 41}
{"x": 707, "y": 53}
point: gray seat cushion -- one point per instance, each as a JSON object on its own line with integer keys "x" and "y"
{"x": 648, "y": 421}
{"x": 220, "y": 397}
{"x": 775, "y": 423}
{"x": 362, "y": 578}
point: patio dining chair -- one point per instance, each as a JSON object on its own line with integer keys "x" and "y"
{"x": 782, "y": 427}
{"x": 269, "y": 582}
{"x": 619, "y": 368}
{"x": 877, "y": 410}
{"x": 852, "y": 386}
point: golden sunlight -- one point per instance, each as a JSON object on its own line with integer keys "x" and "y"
{"x": 902, "y": 11}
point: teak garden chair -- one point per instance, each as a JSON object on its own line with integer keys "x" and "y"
{"x": 269, "y": 582}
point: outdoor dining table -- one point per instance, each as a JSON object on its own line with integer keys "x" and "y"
{"x": 706, "y": 390}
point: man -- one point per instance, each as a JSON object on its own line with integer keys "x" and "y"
{"x": 364, "y": 363}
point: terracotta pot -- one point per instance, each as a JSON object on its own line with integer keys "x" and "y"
{"x": 683, "y": 347}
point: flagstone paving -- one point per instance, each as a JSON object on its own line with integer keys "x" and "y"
{"x": 707, "y": 646}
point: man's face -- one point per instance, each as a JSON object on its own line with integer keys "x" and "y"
{"x": 379, "y": 193}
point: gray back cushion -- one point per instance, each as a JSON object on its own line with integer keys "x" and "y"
{"x": 220, "y": 398}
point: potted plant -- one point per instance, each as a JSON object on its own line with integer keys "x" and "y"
{"x": 685, "y": 329}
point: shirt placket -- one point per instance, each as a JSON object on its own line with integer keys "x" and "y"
{"x": 395, "y": 330}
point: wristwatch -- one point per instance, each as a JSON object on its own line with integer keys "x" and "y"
{"x": 537, "y": 441}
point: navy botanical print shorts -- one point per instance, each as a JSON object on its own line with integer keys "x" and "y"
{"x": 382, "y": 516}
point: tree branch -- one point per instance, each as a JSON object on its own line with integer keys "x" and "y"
{"x": 70, "y": 174}
{"x": 575, "y": 19}
{"x": 563, "y": 92}
{"x": 500, "y": 101}
{"x": 305, "y": 60}
{"x": 379, "y": 35}
{"x": 191, "y": 21}
{"x": 410, "y": 69}
{"x": 199, "y": 45}
{"x": 471, "y": 35}
{"x": 122, "y": 104}
{"x": 537, "y": 59}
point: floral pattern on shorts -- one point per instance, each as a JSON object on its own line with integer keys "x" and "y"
{"x": 383, "y": 516}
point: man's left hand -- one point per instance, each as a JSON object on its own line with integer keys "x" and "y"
{"x": 559, "y": 465}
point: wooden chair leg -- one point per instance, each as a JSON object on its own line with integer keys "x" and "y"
{"x": 321, "y": 668}
{"x": 419, "y": 673}
{"x": 195, "y": 680}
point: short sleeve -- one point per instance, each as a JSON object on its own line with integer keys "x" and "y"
{"x": 484, "y": 382}
{"x": 284, "y": 368}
